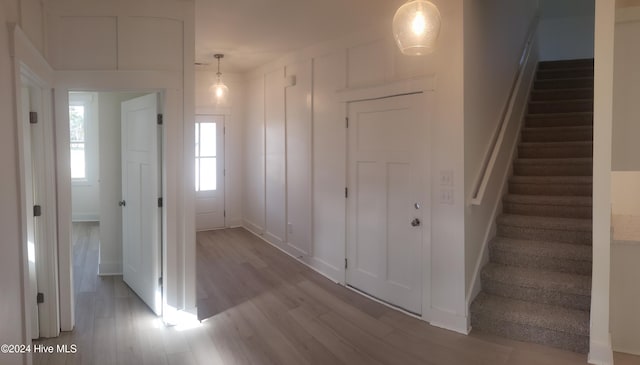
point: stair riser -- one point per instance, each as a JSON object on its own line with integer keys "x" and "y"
{"x": 543, "y": 336}
{"x": 568, "y": 94}
{"x": 540, "y": 121}
{"x": 555, "y": 152}
{"x": 567, "y": 64}
{"x": 580, "y": 135}
{"x": 550, "y": 189}
{"x": 567, "y": 300}
{"x": 540, "y": 263}
{"x": 552, "y": 170}
{"x": 563, "y": 84}
{"x": 563, "y": 107}
{"x": 543, "y": 234}
{"x": 564, "y": 73}
{"x": 560, "y": 211}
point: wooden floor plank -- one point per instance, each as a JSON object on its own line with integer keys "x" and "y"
{"x": 265, "y": 308}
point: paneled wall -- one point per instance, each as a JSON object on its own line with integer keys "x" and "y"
{"x": 295, "y": 158}
{"x": 119, "y": 35}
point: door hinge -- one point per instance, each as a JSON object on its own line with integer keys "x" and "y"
{"x": 224, "y": 172}
{"x": 160, "y": 119}
{"x": 40, "y": 298}
{"x": 347, "y": 121}
{"x": 346, "y": 192}
{"x": 33, "y": 117}
{"x": 224, "y": 213}
{"x": 37, "y": 210}
{"x": 160, "y": 281}
{"x": 160, "y": 202}
{"x": 346, "y": 263}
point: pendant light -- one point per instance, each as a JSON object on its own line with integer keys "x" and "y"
{"x": 219, "y": 90}
{"x": 416, "y": 26}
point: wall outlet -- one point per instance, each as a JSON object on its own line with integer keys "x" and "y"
{"x": 446, "y": 196}
{"x": 446, "y": 178}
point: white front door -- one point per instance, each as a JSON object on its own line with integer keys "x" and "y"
{"x": 141, "y": 217}
{"x": 385, "y": 199}
{"x": 209, "y": 170}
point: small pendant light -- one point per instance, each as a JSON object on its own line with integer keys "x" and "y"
{"x": 219, "y": 90}
{"x": 416, "y": 26}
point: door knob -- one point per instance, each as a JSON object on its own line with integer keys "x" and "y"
{"x": 415, "y": 222}
{"x": 122, "y": 203}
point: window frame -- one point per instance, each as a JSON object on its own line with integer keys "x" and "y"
{"x": 86, "y": 100}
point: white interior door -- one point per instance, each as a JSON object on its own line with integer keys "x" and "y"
{"x": 386, "y": 177}
{"x": 209, "y": 170}
{"x": 141, "y": 217}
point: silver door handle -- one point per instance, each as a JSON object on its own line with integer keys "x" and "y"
{"x": 122, "y": 203}
{"x": 415, "y": 222}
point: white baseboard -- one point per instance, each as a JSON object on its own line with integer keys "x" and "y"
{"x": 253, "y": 228}
{"x": 85, "y": 217}
{"x": 326, "y": 269}
{"x": 600, "y": 353}
{"x": 449, "y": 321}
{"x": 109, "y": 269}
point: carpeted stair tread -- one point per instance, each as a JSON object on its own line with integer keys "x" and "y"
{"x": 556, "y": 161}
{"x": 538, "y": 279}
{"x": 559, "y": 119}
{"x": 564, "y": 73}
{"x": 584, "y": 201}
{"x": 566, "y": 149}
{"x": 562, "y": 94}
{"x": 545, "y": 180}
{"x": 556, "y": 144}
{"x": 560, "y": 64}
{"x": 566, "y": 83}
{"x": 558, "y": 134}
{"x": 543, "y": 249}
{"x": 533, "y": 314}
{"x": 551, "y": 223}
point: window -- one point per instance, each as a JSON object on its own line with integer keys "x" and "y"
{"x": 206, "y": 157}
{"x": 77, "y": 127}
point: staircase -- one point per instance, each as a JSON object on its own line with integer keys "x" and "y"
{"x": 537, "y": 284}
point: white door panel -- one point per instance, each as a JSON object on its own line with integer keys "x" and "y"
{"x": 386, "y": 180}
{"x": 141, "y": 189}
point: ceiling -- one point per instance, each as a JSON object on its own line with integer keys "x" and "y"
{"x": 251, "y": 33}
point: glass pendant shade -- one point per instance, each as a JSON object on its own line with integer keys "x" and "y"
{"x": 416, "y": 27}
{"x": 220, "y": 93}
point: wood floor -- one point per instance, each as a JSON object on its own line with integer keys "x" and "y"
{"x": 261, "y": 307}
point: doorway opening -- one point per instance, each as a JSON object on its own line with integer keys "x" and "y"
{"x": 116, "y": 188}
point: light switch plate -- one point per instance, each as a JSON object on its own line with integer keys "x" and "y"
{"x": 446, "y": 178}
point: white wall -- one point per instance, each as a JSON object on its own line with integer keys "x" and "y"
{"x": 234, "y": 115}
{"x": 626, "y": 91}
{"x": 315, "y": 156}
{"x": 133, "y": 46}
{"x": 600, "y": 336}
{"x": 625, "y": 296}
{"x": 11, "y": 308}
{"x": 625, "y": 183}
{"x": 495, "y": 35}
{"x": 566, "y": 29}
{"x": 85, "y": 194}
